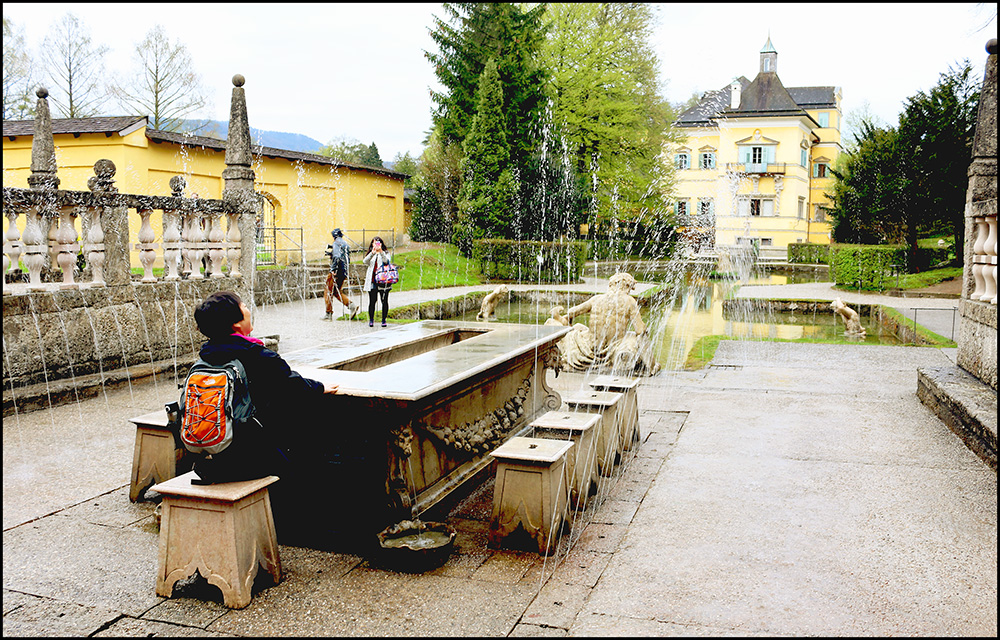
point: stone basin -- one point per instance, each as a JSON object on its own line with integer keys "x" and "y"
{"x": 432, "y": 399}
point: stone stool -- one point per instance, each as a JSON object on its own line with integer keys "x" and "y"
{"x": 605, "y": 403}
{"x": 630, "y": 406}
{"x": 155, "y": 456}
{"x": 531, "y": 490}
{"x": 581, "y": 461}
{"x": 224, "y": 531}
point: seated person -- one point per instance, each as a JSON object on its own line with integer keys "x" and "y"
{"x": 283, "y": 400}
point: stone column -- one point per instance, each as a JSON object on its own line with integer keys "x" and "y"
{"x": 114, "y": 226}
{"x": 977, "y": 338}
{"x": 238, "y": 192}
{"x": 43, "y": 178}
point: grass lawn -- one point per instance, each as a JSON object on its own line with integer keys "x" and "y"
{"x": 438, "y": 265}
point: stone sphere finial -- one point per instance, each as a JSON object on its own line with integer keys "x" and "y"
{"x": 238, "y": 80}
{"x": 42, "y": 92}
{"x": 177, "y": 184}
{"x": 991, "y": 46}
{"x": 105, "y": 168}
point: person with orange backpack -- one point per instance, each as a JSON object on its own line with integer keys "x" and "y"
{"x": 272, "y": 439}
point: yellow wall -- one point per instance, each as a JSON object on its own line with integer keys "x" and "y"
{"x": 316, "y": 197}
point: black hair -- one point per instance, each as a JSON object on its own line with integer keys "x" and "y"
{"x": 218, "y": 313}
{"x": 371, "y": 245}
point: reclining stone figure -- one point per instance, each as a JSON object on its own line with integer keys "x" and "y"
{"x": 616, "y": 336}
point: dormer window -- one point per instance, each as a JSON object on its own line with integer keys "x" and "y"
{"x": 767, "y": 65}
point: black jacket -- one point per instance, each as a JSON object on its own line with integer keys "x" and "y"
{"x": 283, "y": 401}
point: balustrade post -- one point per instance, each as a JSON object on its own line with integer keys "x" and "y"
{"x": 12, "y": 245}
{"x": 146, "y": 246}
{"x": 172, "y": 232}
{"x": 34, "y": 248}
{"x": 66, "y": 244}
{"x": 215, "y": 246}
{"x": 196, "y": 245}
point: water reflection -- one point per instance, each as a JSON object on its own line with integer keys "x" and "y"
{"x": 696, "y": 310}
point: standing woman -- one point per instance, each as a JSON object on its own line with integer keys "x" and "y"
{"x": 378, "y": 255}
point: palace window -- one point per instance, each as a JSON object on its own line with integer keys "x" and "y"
{"x": 755, "y": 206}
{"x": 821, "y": 170}
{"x": 683, "y": 161}
{"x": 756, "y": 155}
{"x": 820, "y": 214}
{"x": 682, "y": 208}
{"x": 804, "y": 158}
{"x": 707, "y": 160}
{"x": 802, "y": 207}
{"x": 705, "y": 209}
{"x": 823, "y": 119}
{"x": 767, "y": 242}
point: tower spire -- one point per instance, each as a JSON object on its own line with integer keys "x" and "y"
{"x": 768, "y": 56}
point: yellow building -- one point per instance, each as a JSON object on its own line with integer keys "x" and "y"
{"x": 755, "y": 165}
{"x": 303, "y": 195}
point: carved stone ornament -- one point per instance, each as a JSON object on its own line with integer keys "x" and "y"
{"x": 486, "y": 433}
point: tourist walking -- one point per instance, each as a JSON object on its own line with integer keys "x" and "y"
{"x": 378, "y": 255}
{"x": 340, "y": 259}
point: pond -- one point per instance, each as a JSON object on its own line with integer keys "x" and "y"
{"x": 697, "y": 311}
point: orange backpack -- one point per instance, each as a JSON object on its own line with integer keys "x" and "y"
{"x": 214, "y": 401}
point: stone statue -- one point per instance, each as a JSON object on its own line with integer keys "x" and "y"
{"x": 489, "y": 306}
{"x": 851, "y": 318}
{"x": 616, "y": 335}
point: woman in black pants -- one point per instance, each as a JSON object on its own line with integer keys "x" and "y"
{"x": 378, "y": 255}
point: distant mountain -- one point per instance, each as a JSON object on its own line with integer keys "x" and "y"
{"x": 275, "y": 139}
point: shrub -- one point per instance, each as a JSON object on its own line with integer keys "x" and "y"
{"x": 808, "y": 253}
{"x": 868, "y": 267}
{"x": 530, "y": 260}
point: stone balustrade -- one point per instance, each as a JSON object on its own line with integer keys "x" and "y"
{"x": 48, "y": 231}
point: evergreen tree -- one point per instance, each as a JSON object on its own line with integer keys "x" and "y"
{"x": 369, "y": 157}
{"x": 870, "y": 193}
{"x": 512, "y": 37}
{"x": 488, "y": 195}
{"x": 938, "y": 127}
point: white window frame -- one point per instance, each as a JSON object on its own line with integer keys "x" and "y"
{"x": 710, "y": 157}
{"x": 682, "y": 158}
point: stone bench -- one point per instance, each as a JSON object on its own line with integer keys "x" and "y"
{"x": 629, "y": 410}
{"x": 581, "y": 461}
{"x": 531, "y": 491}
{"x": 605, "y": 403}
{"x": 156, "y": 456}
{"x": 223, "y": 531}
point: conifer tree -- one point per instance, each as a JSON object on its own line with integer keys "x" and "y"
{"x": 488, "y": 195}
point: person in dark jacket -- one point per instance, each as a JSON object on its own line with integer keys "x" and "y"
{"x": 282, "y": 398}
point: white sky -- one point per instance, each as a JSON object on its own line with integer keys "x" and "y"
{"x": 358, "y": 70}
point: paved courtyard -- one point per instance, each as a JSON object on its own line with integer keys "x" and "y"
{"x": 787, "y": 489}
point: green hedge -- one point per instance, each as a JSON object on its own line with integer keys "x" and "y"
{"x": 808, "y": 253}
{"x": 867, "y": 267}
{"x": 519, "y": 260}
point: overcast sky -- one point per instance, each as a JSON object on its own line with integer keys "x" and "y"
{"x": 358, "y": 71}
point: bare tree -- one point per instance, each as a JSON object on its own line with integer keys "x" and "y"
{"x": 17, "y": 74}
{"x": 75, "y": 69}
{"x": 163, "y": 84}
